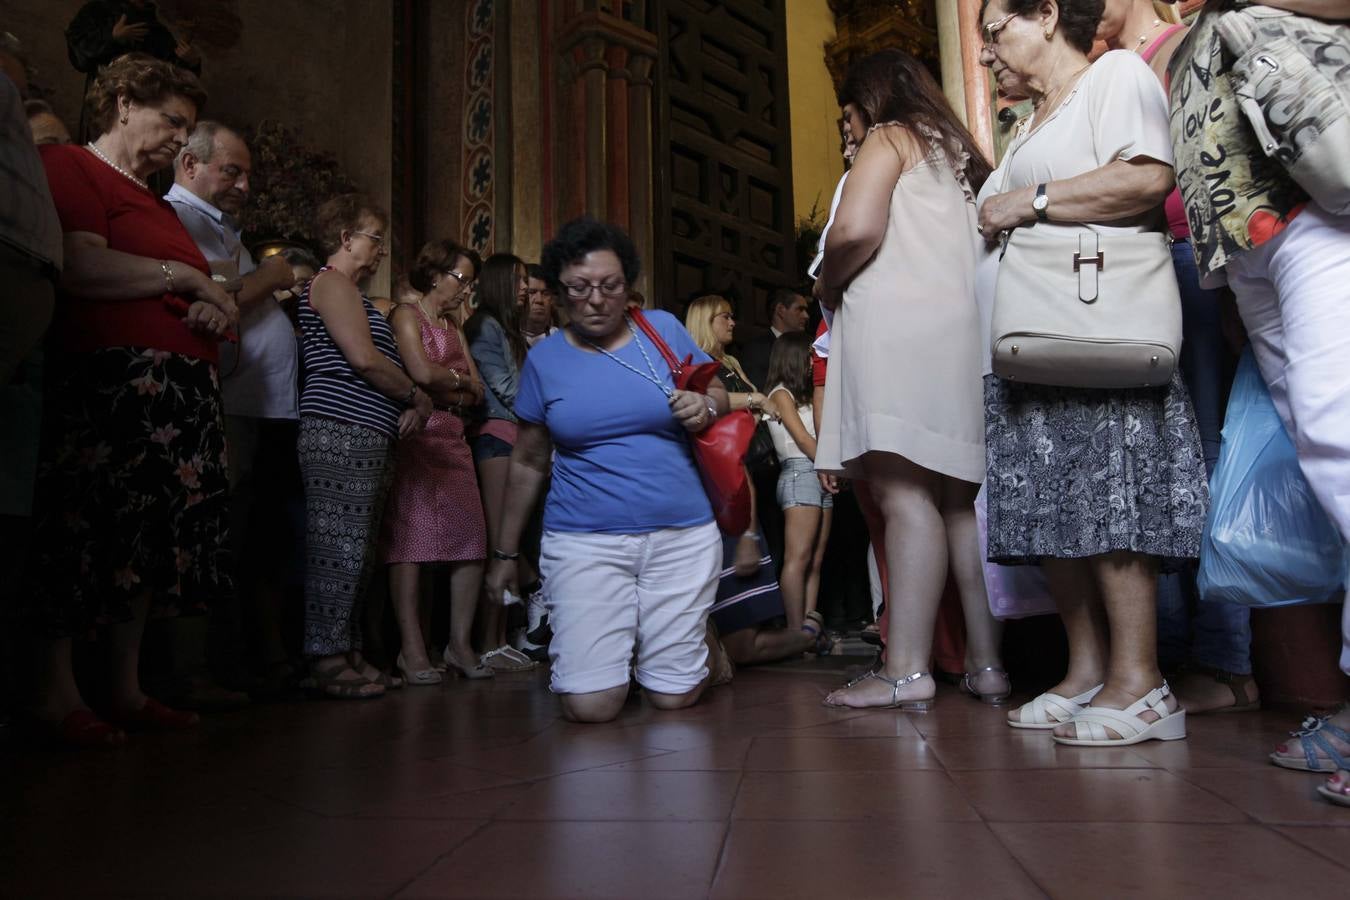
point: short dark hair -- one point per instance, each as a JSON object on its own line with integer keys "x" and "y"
{"x": 784, "y": 296}
{"x": 536, "y": 271}
{"x": 144, "y": 79}
{"x": 436, "y": 258}
{"x": 33, "y": 108}
{"x": 1077, "y": 18}
{"x": 344, "y": 213}
{"x": 587, "y": 235}
{"x": 300, "y": 256}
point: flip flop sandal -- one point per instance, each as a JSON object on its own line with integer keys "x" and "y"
{"x": 1311, "y": 738}
{"x": 896, "y": 684}
{"x": 871, "y": 634}
{"x": 1049, "y": 711}
{"x": 1337, "y": 789}
{"x": 1090, "y": 725}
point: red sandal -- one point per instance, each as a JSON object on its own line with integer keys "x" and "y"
{"x": 82, "y": 729}
{"x": 155, "y": 716}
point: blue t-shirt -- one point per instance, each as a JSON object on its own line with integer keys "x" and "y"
{"x": 622, "y": 463}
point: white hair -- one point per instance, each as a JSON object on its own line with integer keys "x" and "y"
{"x": 202, "y": 142}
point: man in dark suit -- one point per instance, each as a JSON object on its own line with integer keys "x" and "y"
{"x": 789, "y": 310}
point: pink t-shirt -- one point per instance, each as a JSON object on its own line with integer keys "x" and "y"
{"x": 1173, "y": 206}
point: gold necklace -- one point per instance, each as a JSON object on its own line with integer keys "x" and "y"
{"x": 121, "y": 171}
{"x": 1045, "y": 98}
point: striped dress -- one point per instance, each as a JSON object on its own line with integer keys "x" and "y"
{"x": 333, "y": 389}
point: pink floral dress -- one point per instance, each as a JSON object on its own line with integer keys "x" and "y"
{"x": 434, "y": 513}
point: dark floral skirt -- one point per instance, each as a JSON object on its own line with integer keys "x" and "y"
{"x": 132, "y": 491}
{"x": 1077, "y": 472}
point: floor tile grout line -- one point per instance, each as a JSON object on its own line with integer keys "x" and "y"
{"x": 1314, "y": 850}
{"x": 1017, "y": 860}
{"x": 444, "y": 855}
{"x": 729, "y": 821}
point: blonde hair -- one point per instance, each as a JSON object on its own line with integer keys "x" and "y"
{"x": 1167, "y": 11}
{"x": 698, "y": 320}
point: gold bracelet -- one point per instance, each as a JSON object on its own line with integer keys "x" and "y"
{"x": 168, "y": 276}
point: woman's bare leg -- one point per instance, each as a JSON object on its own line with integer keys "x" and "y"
{"x": 984, "y": 633}
{"x": 916, "y": 562}
{"x": 801, "y": 523}
{"x": 818, "y": 560}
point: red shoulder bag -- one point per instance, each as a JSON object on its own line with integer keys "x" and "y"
{"x": 719, "y": 449}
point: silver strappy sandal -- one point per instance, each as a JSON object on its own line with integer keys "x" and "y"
{"x": 896, "y": 684}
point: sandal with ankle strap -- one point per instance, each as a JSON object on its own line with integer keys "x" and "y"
{"x": 993, "y": 699}
{"x": 1312, "y": 737}
{"x": 896, "y": 684}
{"x": 1090, "y": 726}
{"x": 815, "y": 626}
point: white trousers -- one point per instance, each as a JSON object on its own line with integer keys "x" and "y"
{"x": 1294, "y": 295}
{"x": 614, "y": 596}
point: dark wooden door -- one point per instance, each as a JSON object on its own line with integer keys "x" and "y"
{"x": 723, "y": 156}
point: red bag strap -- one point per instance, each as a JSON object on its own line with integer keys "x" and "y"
{"x": 641, "y": 321}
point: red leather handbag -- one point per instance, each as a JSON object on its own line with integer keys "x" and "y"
{"x": 719, "y": 449}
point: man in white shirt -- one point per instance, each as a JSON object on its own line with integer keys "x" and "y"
{"x": 258, "y": 375}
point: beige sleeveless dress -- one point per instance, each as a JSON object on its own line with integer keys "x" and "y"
{"x": 904, "y": 372}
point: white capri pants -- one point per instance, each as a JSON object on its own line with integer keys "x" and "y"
{"x": 612, "y": 594}
{"x": 1294, "y": 295}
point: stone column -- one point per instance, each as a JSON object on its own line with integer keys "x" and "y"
{"x": 605, "y": 120}
{"x": 949, "y": 56}
{"x": 979, "y": 114}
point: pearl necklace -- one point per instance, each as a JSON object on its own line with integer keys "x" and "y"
{"x": 121, "y": 171}
{"x": 1144, "y": 37}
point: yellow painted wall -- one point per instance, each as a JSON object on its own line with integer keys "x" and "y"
{"x": 816, "y": 163}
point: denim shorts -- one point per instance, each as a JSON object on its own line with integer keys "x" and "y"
{"x": 489, "y": 446}
{"x": 799, "y": 486}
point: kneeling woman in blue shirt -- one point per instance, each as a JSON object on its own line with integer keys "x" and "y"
{"x": 630, "y": 555}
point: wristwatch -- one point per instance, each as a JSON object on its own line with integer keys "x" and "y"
{"x": 1041, "y": 203}
{"x": 412, "y": 395}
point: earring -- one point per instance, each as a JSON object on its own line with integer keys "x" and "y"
{"x": 1049, "y": 34}
{"x": 123, "y": 120}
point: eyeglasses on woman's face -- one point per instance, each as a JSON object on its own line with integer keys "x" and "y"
{"x": 724, "y": 315}
{"x": 582, "y": 290}
{"x": 991, "y": 31}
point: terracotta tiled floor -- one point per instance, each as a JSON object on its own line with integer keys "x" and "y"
{"x": 474, "y": 790}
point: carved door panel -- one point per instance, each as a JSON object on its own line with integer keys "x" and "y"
{"x": 723, "y": 157}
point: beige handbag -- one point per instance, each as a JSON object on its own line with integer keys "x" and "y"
{"x": 1086, "y": 310}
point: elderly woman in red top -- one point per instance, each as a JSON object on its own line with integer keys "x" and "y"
{"x": 131, "y": 491}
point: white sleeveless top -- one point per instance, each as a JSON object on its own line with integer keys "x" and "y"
{"x": 782, "y": 440}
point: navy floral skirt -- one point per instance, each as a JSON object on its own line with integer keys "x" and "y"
{"x": 1077, "y": 472}
{"x": 131, "y": 493}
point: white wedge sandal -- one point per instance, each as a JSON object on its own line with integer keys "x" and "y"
{"x": 1090, "y": 726}
{"x": 1050, "y": 711}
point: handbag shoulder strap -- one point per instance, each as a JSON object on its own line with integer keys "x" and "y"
{"x": 655, "y": 337}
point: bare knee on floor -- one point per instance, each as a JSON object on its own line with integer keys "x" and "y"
{"x": 675, "y": 701}
{"x": 597, "y": 706}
